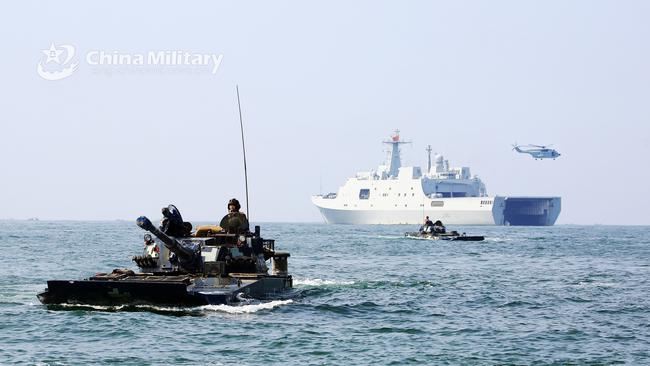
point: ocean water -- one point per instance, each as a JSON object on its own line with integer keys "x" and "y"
{"x": 364, "y": 295}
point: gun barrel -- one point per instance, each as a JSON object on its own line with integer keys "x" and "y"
{"x": 172, "y": 244}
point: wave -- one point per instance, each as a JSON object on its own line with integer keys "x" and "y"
{"x": 385, "y": 236}
{"x": 497, "y": 239}
{"x": 231, "y": 309}
{"x": 246, "y": 309}
{"x": 396, "y": 330}
{"x": 111, "y": 308}
{"x": 591, "y": 283}
{"x": 516, "y": 303}
{"x": 65, "y": 306}
{"x": 320, "y": 282}
{"x": 347, "y": 309}
{"x": 417, "y": 238}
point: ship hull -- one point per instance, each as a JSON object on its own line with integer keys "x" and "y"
{"x": 515, "y": 211}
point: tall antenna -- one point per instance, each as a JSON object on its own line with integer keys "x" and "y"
{"x": 243, "y": 147}
{"x": 395, "y": 161}
{"x": 429, "y": 154}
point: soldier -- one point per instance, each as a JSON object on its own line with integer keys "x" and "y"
{"x": 234, "y": 222}
{"x": 439, "y": 228}
{"x": 428, "y": 225}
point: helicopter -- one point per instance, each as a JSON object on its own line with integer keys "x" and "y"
{"x": 537, "y": 151}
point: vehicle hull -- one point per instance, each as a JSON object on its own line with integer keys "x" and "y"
{"x": 164, "y": 290}
{"x": 449, "y": 237}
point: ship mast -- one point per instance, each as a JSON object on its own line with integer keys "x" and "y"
{"x": 429, "y": 155}
{"x": 395, "y": 160}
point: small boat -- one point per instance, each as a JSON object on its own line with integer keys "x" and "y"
{"x": 453, "y": 235}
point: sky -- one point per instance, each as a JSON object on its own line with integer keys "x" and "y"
{"x": 322, "y": 83}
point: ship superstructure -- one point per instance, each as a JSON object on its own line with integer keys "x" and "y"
{"x": 396, "y": 194}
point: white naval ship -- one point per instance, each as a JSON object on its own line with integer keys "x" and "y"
{"x": 396, "y": 194}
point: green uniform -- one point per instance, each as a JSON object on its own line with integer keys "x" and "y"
{"x": 235, "y": 222}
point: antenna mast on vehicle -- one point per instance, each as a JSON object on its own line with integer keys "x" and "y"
{"x": 243, "y": 147}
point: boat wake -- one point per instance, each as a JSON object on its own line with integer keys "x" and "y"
{"x": 126, "y": 307}
{"x": 246, "y": 309}
{"x": 384, "y": 236}
{"x": 498, "y": 239}
{"x": 320, "y": 282}
{"x": 416, "y": 238}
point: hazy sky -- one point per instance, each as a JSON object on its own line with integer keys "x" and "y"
{"x": 322, "y": 83}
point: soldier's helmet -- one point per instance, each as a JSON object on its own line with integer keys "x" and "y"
{"x": 235, "y": 203}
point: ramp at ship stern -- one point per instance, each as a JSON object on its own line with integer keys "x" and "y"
{"x": 528, "y": 211}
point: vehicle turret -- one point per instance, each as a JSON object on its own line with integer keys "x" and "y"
{"x": 174, "y": 245}
{"x": 189, "y": 255}
{"x": 207, "y": 252}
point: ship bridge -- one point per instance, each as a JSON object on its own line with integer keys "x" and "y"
{"x": 443, "y": 181}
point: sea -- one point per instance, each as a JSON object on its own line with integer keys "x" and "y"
{"x": 364, "y": 295}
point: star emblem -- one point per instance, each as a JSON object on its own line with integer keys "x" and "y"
{"x": 52, "y": 54}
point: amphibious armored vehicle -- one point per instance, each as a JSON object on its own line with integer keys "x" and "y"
{"x": 453, "y": 235}
{"x": 206, "y": 267}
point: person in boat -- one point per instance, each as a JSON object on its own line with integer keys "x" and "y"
{"x": 439, "y": 228}
{"x": 234, "y": 222}
{"x": 428, "y": 225}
